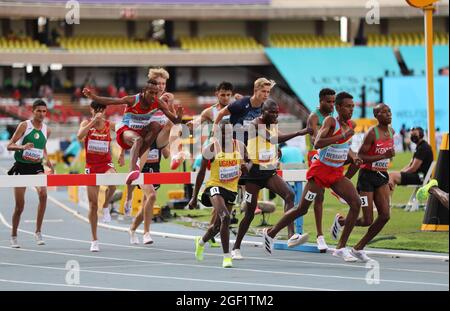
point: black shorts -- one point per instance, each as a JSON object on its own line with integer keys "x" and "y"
{"x": 151, "y": 168}
{"x": 26, "y": 169}
{"x": 228, "y": 196}
{"x": 410, "y": 179}
{"x": 259, "y": 176}
{"x": 369, "y": 180}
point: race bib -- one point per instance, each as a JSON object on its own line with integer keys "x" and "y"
{"x": 98, "y": 146}
{"x": 33, "y": 155}
{"x": 161, "y": 119}
{"x": 266, "y": 156}
{"x": 228, "y": 173}
{"x": 138, "y": 123}
{"x": 153, "y": 156}
{"x": 381, "y": 165}
{"x": 336, "y": 155}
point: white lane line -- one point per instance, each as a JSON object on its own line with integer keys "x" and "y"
{"x": 149, "y": 276}
{"x": 357, "y": 266}
{"x": 219, "y": 268}
{"x": 65, "y": 285}
{"x": 33, "y": 221}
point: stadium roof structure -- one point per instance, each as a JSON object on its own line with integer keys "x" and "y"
{"x": 212, "y": 9}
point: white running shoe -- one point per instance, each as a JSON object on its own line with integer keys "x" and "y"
{"x": 14, "y": 243}
{"x": 133, "y": 237}
{"x": 147, "y": 238}
{"x": 361, "y": 255}
{"x": 94, "y": 246}
{"x": 321, "y": 244}
{"x": 344, "y": 253}
{"x": 106, "y": 216}
{"x": 268, "y": 242}
{"x": 127, "y": 208}
{"x": 336, "y": 227}
{"x": 38, "y": 238}
{"x": 236, "y": 254}
{"x": 298, "y": 239}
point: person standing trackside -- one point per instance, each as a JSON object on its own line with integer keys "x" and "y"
{"x": 29, "y": 144}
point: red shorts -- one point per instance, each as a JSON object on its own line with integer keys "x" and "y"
{"x": 100, "y": 168}
{"x": 119, "y": 137}
{"x": 313, "y": 156}
{"x": 324, "y": 175}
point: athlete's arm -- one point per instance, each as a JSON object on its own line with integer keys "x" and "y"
{"x": 322, "y": 138}
{"x": 47, "y": 160}
{"x": 312, "y": 124}
{"x": 245, "y": 163}
{"x": 109, "y": 101}
{"x": 281, "y": 138}
{"x": 175, "y": 118}
{"x": 413, "y": 167}
{"x": 12, "y": 146}
{"x": 222, "y": 113}
{"x": 85, "y": 126}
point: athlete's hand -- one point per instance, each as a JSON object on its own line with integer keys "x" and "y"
{"x": 238, "y": 96}
{"x": 28, "y": 146}
{"x": 121, "y": 159}
{"x": 192, "y": 204}
{"x": 98, "y": 116}
{"x": 179, "y": 113}
{"x": 306, "y": 131}
{"x": 88, "y": 93}
{"x": 349, "y": 133}
{"x": 389, "y": 154}
{"x": 169, "y": 97}
{"x": 357, "y": 161}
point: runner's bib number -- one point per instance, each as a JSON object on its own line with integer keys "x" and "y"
{"x": 153, "y": 156}
{"x": 336, "y": 155}
{"x": 381, "y": 165}
{"x": 33, "y": 154}
{"x": 98, "y": 146}
{"x": 228, "y": 173}
{"x": 138, "y": 123}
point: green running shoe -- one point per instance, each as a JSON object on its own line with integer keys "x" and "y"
{"x": 213, "y": 243}
{"x": 199, "y": 249}
{"x": 423, "y": 194}
{"x": 227, "y": 262}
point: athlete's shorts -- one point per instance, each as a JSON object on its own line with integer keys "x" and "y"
{"x": 152, "y": 168}
{"x": 259, "y": 176}
{"x": 100, "y": 168}
{"x": 369, "y": 180}
{"x": 26, "y": 169}
{"x": 119, "y": 138}
{"x": 324, "y": 176}
{"x": 228, "y": 196}
{"x": 313, "y": 156}
{"x": 411, "y": 179}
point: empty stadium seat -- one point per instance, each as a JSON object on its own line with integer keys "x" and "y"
{"x": 109, "y": 44}
{"x": 306, "y": 41}
{"x": 220, "y": 42}
{"x": 407, "y": 38}
{"x": 21, "y": 44}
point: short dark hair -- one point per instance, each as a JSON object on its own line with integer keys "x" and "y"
{"x": 326, "y": 92}
{"x": 96, "y": 106}
{"x": 341, "y": 96}
{"x": 420, "y": 130}
{"x": 224, "y": 85}
{"x": 268, "y": 104}
{"x": 39, "y": 102}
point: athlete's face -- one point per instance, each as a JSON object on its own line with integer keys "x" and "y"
{"x": 262, "y": 94}
{"x": 270, "y": 116}
{"x": 345, "y": 109}
{"x": 39, "y": 113}
{"x": 224, "y": 97}
{"x": 327, "y": 103}
{"x": 161, "y": 83}
{"x": 384, "y": 115}
{"x": 150, "y": 92}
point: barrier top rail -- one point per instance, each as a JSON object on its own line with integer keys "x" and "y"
{"x": 7, "y": 181}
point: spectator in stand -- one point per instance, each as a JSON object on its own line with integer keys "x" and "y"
{"x": 18, "y": 96}
{"x": 76, "y": 95}
{"x": 122, "y": 92}
{"x": 72, "y": 151}
{"x": 112, "y": 90}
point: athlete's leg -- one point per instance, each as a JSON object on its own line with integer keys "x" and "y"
{"x": 134, "y": 140}
{"x": 367, "y": 211}
{"x": 93, "y": 209}
{"x": 279, "y": 186}
{"x": 222, "y": 223}
{"x": 110, "y": 191}
{"x": 146, "y": 212}
{"x": 318, "y": 211}
{"x": 308, "y": 196}
{"x": 251, "y": 200}
{"x": 42, "y": 194}
{"x": 19, "y": 195}
{"x": 345, "y": 189}
{"x": 381, "y": 198}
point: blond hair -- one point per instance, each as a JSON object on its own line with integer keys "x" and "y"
{"x": 262, "y": 82}
{"x": 154, "y": 73}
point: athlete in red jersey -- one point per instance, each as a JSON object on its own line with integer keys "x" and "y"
{"x": 376, "y": 151}
{"x": 136, "y": 130}
{"x": 96, "y": 134}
